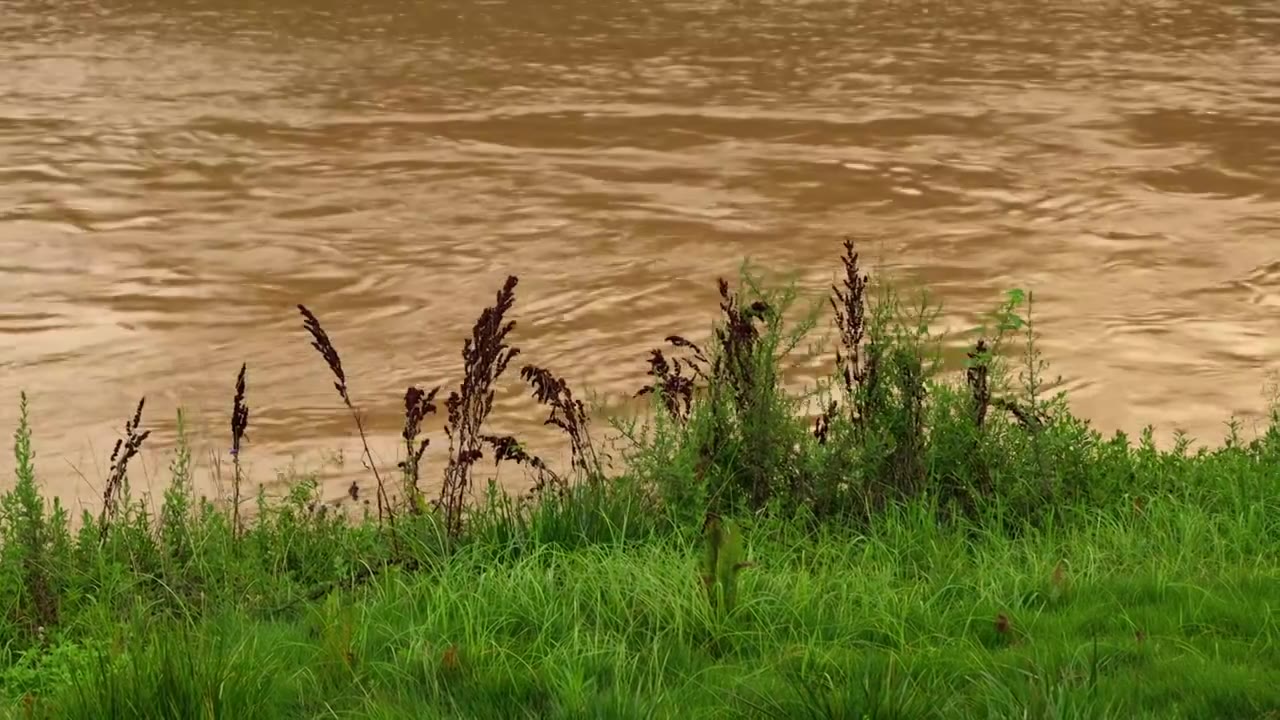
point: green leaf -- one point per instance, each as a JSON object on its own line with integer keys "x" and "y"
{"x": 1011, "y": 322}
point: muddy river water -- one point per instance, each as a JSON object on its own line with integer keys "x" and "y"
{"x": 176, "y": 175}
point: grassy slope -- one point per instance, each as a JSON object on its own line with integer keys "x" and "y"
{"x": 1164, "y": 614}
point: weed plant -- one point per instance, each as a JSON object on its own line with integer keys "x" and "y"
{"x": 901, "y": 539}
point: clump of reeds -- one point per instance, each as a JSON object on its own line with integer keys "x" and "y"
{"x": 323, "y": 345}
{"x": 418, "y": 404}
{"x": 239, "y": 424}
{"x": 125, "y": 449}
{"x": 485, "y": 356}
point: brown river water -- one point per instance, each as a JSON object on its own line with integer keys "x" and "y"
{"x": 176, "y": 175}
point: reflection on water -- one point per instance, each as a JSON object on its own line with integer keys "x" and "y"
{"x": 176, "y": 175}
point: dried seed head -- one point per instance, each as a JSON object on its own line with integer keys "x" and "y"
{"x": 323, "y": 345}
{"x": 485, "y": 356}
{"x": 239, "y": 412}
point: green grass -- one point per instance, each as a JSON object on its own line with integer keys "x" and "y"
{"x": 1169, "y": 615}
{"x": 940, "y": 547}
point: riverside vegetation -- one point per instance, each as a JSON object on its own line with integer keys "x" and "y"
{"x": 903, "y": 539}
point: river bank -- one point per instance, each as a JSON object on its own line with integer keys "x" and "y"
{"x": 912, "y": 536}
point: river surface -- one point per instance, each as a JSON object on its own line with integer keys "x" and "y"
{"x": 175, "y": 176}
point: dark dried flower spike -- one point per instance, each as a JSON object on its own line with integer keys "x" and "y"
{"x": 507, "y": 448}
{"x": 129, "y": 427}
{"x": 239, "y": 413}
{"x": 976, "y": 375}
{"x": 137, "y": 414}
{"x": 675, "y": 388}
{"x": 124, "y": 451}
{"x": 857, "y": 366}
{"x": 737, "y": 338}
{"x": 567, "y": 412}
{"x": 412, "y": 417}
{"x": 485, "y": 356}
{"x": 680, "y": 342}
{"x": 849, "y": 305}
{"x": 239, "y": 424}
{"x": 417, "y": 406}
{"x": 322, "y": 344}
